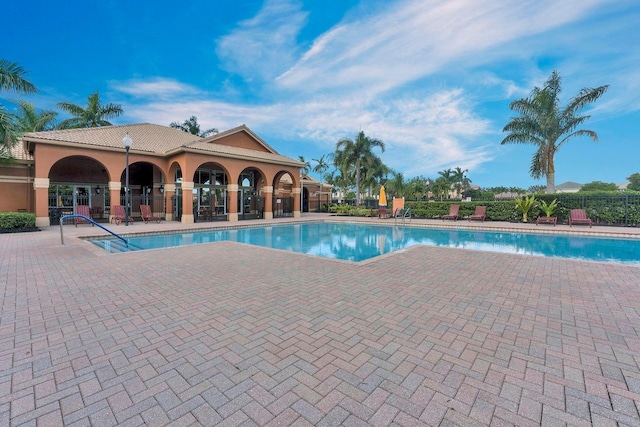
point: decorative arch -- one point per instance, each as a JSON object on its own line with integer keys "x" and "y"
{"x": 251, "y": 194}
{"x": 210, "y": 196}
{"x": 284, "y": 194}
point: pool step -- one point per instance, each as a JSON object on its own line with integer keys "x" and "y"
{"x": 115, "y": 246}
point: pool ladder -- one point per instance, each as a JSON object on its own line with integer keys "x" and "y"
{"x": 86, "y": 218}
{"x": 404, "y": 214}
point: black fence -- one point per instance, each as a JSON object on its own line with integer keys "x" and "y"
{"x": 100, "y": 206}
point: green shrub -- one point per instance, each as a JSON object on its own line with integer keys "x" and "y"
{"x": 17, "y": 220}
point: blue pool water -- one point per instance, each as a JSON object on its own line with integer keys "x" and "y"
{"x": 358, "y": 242}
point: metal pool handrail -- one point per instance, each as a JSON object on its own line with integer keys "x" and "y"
{"x": 126, "y": 242}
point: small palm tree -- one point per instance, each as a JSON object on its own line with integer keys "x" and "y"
{"x": 93, "y": 115}
{"x": 548, "y": 209}
{"x": 525, "y": 204}
{"x": 192, "y": 126}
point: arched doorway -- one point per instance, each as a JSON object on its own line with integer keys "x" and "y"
{"x": 250, "y": 200}
{"x": 145, "y": 188}
{"x": 283, "y": 197}
{"x": 210, "y": 196}
{"x": 75, "y": 181}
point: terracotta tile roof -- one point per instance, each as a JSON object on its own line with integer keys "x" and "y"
{"x": 146, "y": 137}
{"x": 160, "y": 140}
{"x": 19, "y": 153}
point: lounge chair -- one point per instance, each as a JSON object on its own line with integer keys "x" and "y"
{"x": 82, "y": 210}
{"x": 453, "y": 213}
{"x": 145, "y": 213}
{"x": 480, "y": 214}
{"x": 579, "y": 216}
{"x": 119, "y": 214}
{"x": 398, "y": 207}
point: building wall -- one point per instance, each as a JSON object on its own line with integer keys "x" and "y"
{"x": 242, "y": 140}
{"x": 16, "y": 190}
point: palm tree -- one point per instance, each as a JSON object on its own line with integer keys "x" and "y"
{"x": 30, "y": 120}
{"x": 94, "y": 115}
{"x": 544, "y": 123}
{"x": 396, "y": 185}
{"x": 11, "y": 80}
{"x": 192, "y": 126}
{"x": 446, "y": 176}
{"x": 460, "y": 180}
{"x": 307, "y": 166}
{"x": 321, "y": 165}
{"x": 357, "y": 154}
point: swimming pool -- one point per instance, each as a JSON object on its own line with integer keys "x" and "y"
{"x": 359, "y": 242}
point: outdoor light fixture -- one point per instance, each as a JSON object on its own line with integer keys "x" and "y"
{"x": 98, "y": 189}
{"x": 126, "y": 141}
{"x": 148, "y": 190}
{"x": 161, "y": 188}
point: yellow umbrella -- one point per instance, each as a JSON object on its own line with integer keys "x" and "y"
{"x": 383, "y": 197}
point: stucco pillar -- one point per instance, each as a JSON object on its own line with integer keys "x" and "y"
{"x": 296, "y": 202}
{"x": 267, "y": 192}
{"x": 41, "y": 187}
{"x": 187, "y": 202}
{"x": 169, "y": 192}
{"x": 232, "y": 193}
{"x": 114, "y": 200}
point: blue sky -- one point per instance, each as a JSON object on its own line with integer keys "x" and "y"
{"x": 432, "y": 79}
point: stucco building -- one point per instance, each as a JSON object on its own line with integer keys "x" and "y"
{"x": 233, "y": 175}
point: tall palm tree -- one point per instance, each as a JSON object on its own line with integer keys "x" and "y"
{"x": 544, "y": 123}
{"x": 11, "y": 80}
{"x": 396, "y": 185}
{"x": 29, "y": 119}
{"x": 358, "y": 153}
{"x": 460, "y": 181}
{"x": 94, "y": 115}
{"x": 192, "y": 126}
{"x": 446, "y": 176}
{"x": 321, "y": 165}
{"x": 307, "y": 166}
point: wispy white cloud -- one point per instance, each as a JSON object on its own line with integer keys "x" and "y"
{"x": 413, "y": 39}
{"x": 156, "y": 87}
{"x": 265, "y": 45}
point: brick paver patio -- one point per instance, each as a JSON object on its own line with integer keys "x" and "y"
{"x": 229, "y": 334}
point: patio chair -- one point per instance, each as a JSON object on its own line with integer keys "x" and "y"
{"x": 480, "y": 214}
{"x": 119, "y": 214}
{"x": 382, "y": 212}
{"x": 453, "y": 213}
{"x": 579, "y": 216}
{"x": 145, "y": 213}
{"x": 398, "y": 207}
{"x": 82, "y": 210}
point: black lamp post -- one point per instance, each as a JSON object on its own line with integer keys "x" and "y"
{"x": 126, "y": 141}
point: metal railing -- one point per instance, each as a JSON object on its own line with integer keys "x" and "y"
{"x": 86, "y": 218}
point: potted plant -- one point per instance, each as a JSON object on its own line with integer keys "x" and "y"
{"x": 525, "y": 204}
{"x": 548, "y": 209}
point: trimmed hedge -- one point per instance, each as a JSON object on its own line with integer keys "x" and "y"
{"x": 11, "y": 221}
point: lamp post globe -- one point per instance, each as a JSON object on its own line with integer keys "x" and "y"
{"x": 126, "y": 141}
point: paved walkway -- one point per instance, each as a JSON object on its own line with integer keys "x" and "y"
{"x": 230, "y": 334}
